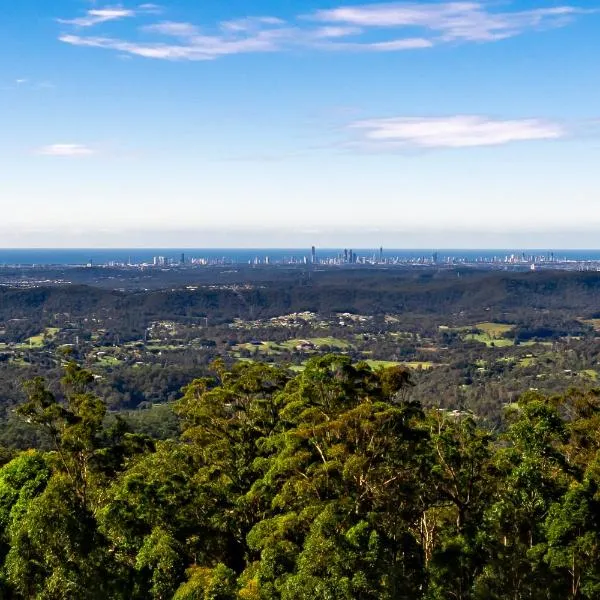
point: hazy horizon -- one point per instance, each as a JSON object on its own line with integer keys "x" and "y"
{"x": 366, "y": 238}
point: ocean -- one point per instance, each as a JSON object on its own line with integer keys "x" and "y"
{"x": 103, "y": 256}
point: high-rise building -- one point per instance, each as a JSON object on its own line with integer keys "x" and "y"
{"x": 313, "y": 255}
{"x": 381, "y": 254}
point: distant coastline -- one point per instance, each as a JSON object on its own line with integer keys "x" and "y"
{"x": 104, "y": 256}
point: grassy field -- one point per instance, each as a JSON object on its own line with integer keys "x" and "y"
{"x": 319, "y": 342}
{"x": 595, "y": 323}
{"x": 527, "y": 361}
{"x": 264, "y": 348}
{"x": 108, "y": 361}
{"x": 274, "y": 348}
{"x": 37, "y": 341}
{"x": 425, "y": 365}
{"x": 489, "y": 341}
{"x": 166, "y": 347}
{"x": 494, "y": 330}
{"x": 490, "y": 334}
{"x": 376, "y": 364}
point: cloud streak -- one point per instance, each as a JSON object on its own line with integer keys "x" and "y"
{"x": 453, "y": 21}
{"x": 460, "y": 131}
{"x": 388, "y": 27}
{"x": 66, "y": 150}
{"x": 98, "y": 16}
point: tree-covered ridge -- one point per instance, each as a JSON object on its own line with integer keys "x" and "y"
{"x": 327, "y": 485}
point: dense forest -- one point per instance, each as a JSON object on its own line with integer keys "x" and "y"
{"x": 327, "y": 484}
{"x": 248, "y": 296}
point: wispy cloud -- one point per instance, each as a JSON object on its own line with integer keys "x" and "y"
{"x": 172, "y": 28}
{"x": 66, "y": 150}
{"x": 26, "y": 84}
{"x": 388, "y": 27}
{"x": 97, "y": 16}
{"x": 452, "y": 21}
{"x": 251, "y": 24}
{"x": 387, "y": 46}
{"x": 460, "y": 131}
{"x": 151, "y": 9}
{"x": 203, "y": 47}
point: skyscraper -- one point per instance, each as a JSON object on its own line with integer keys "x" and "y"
{"x": 313, "y": 255}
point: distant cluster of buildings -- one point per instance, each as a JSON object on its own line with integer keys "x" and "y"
{"x": 347, "y": 256}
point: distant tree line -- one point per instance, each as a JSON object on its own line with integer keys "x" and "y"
{"x": 552, "y": 299}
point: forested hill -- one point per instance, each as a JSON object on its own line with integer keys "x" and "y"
{"x": 327, "y": 485}
{"x": 366, "y": 292}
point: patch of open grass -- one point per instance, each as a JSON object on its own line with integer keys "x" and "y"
{"x": 494, "y": 330}
{"x": 425, "y": 365}
{"x": 595, "y": 323}
{"x": 274, "y": 348}
{"x": 270, "y": 348}
{"x": 527, "y": 361}
{"x": 109, "y": 361}
{"x": 376, "y": 364}
{"x": 490, "y": 334}
{"x": 319, "y": 342}
{"x": 37, "y": 341}
{"x": 490, "y": 342}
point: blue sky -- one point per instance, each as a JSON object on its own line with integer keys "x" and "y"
{"x": 263, "y": 123}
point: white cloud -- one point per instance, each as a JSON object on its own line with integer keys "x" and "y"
{"x": 389, "y": 46}
{"x": 251, "y": 24}
{"x": 200, "y": 48}
{"x": 100, "y": 15}
{"x": 68, "y": 150}
{"x": 466, "y": 21}
{"x": 172, "y": 28}
{"x": 25, "y": 84}
{"x": 335, "y": 31}
{"x": 152, "y": 9}
{"x": 388, "y": 27}
{"x": 461, "y": 131}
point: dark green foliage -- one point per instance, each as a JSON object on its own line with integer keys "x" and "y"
{"x": 330, "y": 485}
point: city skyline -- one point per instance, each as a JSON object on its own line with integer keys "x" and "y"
{"x": 407, "y": 124}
